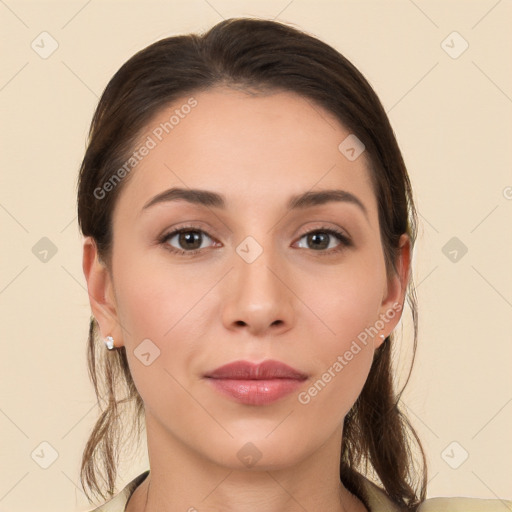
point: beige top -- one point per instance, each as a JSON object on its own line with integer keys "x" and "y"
{"x": 378, "y": 501}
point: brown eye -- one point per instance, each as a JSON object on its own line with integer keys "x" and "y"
{"x": 319, "y": 240}
{"x": 188, "y": 241}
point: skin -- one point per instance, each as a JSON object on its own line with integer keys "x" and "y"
{"x": 205, "y": 310}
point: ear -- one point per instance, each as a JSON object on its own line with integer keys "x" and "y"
{"x": 101, "y": 292}
{"x": 392, "y": 305}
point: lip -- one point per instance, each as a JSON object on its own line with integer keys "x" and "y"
{"x": 256, "y": 384}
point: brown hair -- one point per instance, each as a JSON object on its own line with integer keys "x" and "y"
{"x": 257, "y": 55}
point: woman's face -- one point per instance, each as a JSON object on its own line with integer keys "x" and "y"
{"x": 256, "y": 275}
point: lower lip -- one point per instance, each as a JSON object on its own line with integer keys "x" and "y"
{"x": 256, "y": 392}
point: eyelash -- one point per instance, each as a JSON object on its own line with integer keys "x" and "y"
{"x": 339, "y": 235}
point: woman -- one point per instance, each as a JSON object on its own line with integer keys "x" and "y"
{"x": 249, "y": 226}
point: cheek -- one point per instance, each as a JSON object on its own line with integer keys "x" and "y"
{"x": 157, "y": 309}
{"x": 331, "y": 394}
{"x": 344, "y": 353}
{"x": 153, "y": 297}
{"x": 346, "y": 306}
{"x": 347, "y": 302}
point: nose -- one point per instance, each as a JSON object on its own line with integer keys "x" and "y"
{"x": 257, "y": 297}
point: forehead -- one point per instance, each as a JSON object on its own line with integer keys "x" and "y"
{"x": 254, "y": 149}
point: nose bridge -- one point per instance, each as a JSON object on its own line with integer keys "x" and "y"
{"x": 257, "y": 295}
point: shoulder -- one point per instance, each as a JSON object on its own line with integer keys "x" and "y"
{"x": 465, "y": 505}
{"x": 379, "y": 501}
{"x": 119, "y": 501}
{"x": 377, "y": 498}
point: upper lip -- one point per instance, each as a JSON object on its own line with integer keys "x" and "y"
{"x": 245, "y": 370}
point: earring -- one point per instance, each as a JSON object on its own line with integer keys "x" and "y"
{"x": 109, "y": 342}
{"x": 382, "y": 336}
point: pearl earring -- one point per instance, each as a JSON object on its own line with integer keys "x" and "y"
{"x": 382, "y": 336}
{"x": 109, "y": 342}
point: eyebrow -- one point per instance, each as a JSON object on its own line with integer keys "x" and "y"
{"x": 216, "y": 200}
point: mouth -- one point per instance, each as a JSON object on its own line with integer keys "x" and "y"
{"x": 256, "y": 384}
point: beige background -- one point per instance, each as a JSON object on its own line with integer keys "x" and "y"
{"x": 452, "y": 118}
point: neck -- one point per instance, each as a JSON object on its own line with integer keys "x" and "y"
{"x": 182, "y": 480}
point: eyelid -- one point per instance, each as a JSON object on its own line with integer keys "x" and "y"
{"x": 325, "y": 227}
